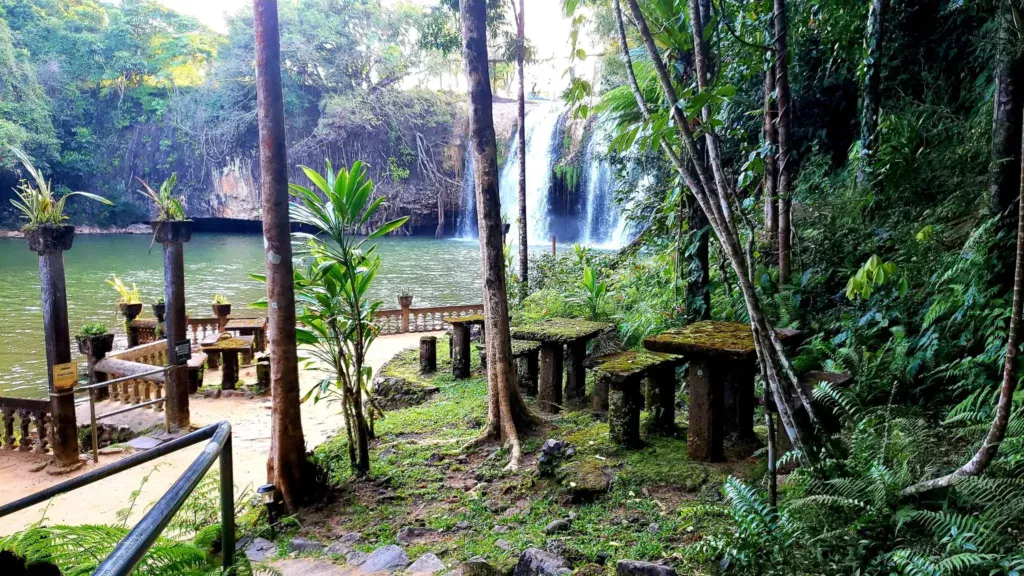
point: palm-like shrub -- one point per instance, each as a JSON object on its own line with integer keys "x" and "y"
{"x": 36, "y": 200}
{"x": 168, "y": 206}
{"x": 332, "y": 292}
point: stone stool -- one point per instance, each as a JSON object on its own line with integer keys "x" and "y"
{"x": 619, "y": 390}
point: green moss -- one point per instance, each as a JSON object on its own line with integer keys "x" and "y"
{"x": 633, "y": 362}
{"x": 523, "y": 347}
{"x": 470, "y": 319}
{"x": 705, "y": 337}
{"x": 560, "y": 330}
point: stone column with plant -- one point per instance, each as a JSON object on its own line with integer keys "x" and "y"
{"x": 173, "y": 230}
{"x": 49, "y": 236}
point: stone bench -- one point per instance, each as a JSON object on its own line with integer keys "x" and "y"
{"x": 196, "y": 371}
{"x": 618, "y": 390}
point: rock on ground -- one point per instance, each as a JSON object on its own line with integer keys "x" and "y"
{"x": 307, "y": 567}
{"x": 415, "y": 534}
{"x": 536, "y": 562}
{"x": 477, "y": 566}
{"x": 557, "y": 526}
{"x": 257, "y": 549}
{"x": 637, "y": 568}
{"x": 426, "y": 565}
{"x": 389, "y": 558}
{"x": 304, "y": 545}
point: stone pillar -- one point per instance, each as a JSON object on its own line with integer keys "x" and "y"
{"x": 173, "y": 236}
{"x": 405, "y": 302}
{"x": 602, "y": 386}
{"x": 575, "y": 374}
{"x": 737, "y": 383}
{"x": 428, "y": 354}
{"x": 529, "y": 370}
{"x": 95, "y": 348}
{"x": 704, "y": 437}
{"x": 662, "y": 399}
{"x": 50, "y": 243}
{"x": 624, "y": 403}
{"x": 549, "y": 393}
{"x": 229, "y": 370}
{"x": 460, "y": 350}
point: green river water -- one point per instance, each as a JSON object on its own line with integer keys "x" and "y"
{"x": 437, "y": 272}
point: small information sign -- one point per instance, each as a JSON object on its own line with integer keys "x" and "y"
{"x": 182, "y": 352}
{"x": 65, "y": 376}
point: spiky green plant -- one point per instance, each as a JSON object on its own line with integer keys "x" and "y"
{"x": 36, "y": 200}
{"x": 168, "y": 206}
{"x": 125, "y": 294}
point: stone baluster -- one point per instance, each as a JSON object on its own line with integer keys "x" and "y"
{"x": 126, "y": 392}
{"x": 39, "y": 418}
{"x": 25, "y": 444}
{"x": 136, "y": 393}
{"x": 159, "y": 394}
{"x": 8, "y": 427}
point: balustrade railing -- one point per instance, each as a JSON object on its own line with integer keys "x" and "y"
{"x": 31, "y": 419}
{"x": 421, "y": 319}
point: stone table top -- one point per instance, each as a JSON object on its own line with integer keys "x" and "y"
{"x": 524, "y": 347}
{"x": 228, "y": 343}
{"x": 622, "y": 366}
{"x": 711, "y": 338}
{"x": 560, "y": 330}
{"x": 246, "y": 323}
{"x": 470, "y": 320}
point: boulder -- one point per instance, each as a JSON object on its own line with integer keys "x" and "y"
{"x": 426, "y": 565}
{"x": 258, "y": 549}
{"x": 551, "y": 455}
{"x": 414, "y": 534}
{"x": 356, "y": 558}
{"x": 557, "y": 526}
{"x": 304, "y": 545}
{"x": 477, "y": 566}
{"x": 344, "y": 544}
{"x": 585, "y": 480}
{"x": 536, "y": 562}
{"x": 637, "y": 568}
{"x": 389, "y": 558}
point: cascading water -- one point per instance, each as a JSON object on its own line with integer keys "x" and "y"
{"x": 604, "y": 223}
{"x": 467, "y": 225}
{"x": 541, "y": 153}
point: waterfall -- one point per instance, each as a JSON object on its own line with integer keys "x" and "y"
{"x": 604, "y": 223}
{"x": 542, "y": 148}
{"x": 467, "y": 225}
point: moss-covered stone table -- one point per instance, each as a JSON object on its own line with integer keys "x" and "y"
{"x": 255, "y": 327}
{"x": 723, "y": 365}
{"x": 553, "y": 334}
{"x": 526, "y": 354}
{"x": 228, "y": 347}
{"x": 618, "y": 389}
{"x": 460, "y": 342}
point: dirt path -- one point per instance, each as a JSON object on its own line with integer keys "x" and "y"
{"x": 250, "y": 421}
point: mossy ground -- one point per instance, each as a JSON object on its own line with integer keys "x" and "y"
{"x": 420, "y": 476}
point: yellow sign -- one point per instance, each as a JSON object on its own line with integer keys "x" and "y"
{"x": 65, "y": 376}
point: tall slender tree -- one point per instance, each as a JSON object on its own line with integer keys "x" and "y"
{"x": 871, "y": 99}
{"x": 506, "y": 412}
{"x": 524, "y": 253}
{"x": 771, "y": 170}
{"x": 784, "y": 101}
{"x": 287, "y": 465}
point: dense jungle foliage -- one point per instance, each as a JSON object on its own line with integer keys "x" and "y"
{"x": 900, "y": 275}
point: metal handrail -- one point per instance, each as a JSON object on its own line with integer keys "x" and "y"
{"x": 106, "y": 383}
{"x": 127, "y": 554}
{"x": 92, "y": 405}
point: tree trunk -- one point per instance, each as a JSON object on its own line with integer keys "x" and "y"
{"x": 524, "y": 253}
{"x": 287, "y": 463}
{"x": 872, "y": 97}
{"x": 997, "y": 431}
{"x": 784, "y": 101}
{"x": 698, "y": 294}
{"x": 506, "y": 409}
{"x": 715, "y": 199}
{"x": 771, "y": 168}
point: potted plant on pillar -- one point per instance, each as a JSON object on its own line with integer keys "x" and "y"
{"x": 405, "y": 298}
{"x": 221, "y": 307}
{"x": 45, "y": 229}
{"x": 94, "y": 338}
{"x": 129, "y": 301}
{"x": 160, "y": 310}
{"x": 170, "y": 224}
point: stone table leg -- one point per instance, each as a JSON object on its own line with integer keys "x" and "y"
{"x": 662, "y": 385}
{"x": 624, "y": 403}
{"x": 428, "y": 354}
{"x": 213, "y": 360}
{"x": 737, "y": 383}
{"x": 704, "y": 438}
{"x": 601, "y": 388}
{"x": 531, "y": 363}
{"x": 549, "y": 393}
{"x": 575, "y": 374}
{"x": 229, "y": 372}
{"x": 460, "y": 351}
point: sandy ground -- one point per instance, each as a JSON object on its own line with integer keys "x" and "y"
{"x": 250, "y": 421}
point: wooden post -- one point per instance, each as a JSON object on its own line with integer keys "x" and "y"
{"x": 428, "y": 354}
{"x": 549, "y": 393}
{"x": 58, "y": 343}
{"x": 176, "y": 383}
{"x": 460, "y": 350}
{"x": 575, "y": 374}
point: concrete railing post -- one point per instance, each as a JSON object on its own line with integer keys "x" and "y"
{"x": 173, "y": 236}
